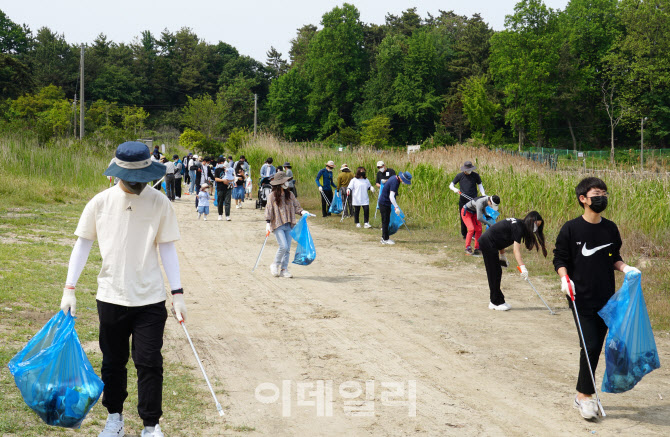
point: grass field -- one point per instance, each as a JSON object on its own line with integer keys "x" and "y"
{"x": 640, "y": 206}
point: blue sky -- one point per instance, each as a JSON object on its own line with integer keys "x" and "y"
{"x": 250, "y": 26}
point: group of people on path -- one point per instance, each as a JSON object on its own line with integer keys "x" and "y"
{"x": 586, "y": 255}
{"x": 134, "y": 226}
{"x": 354, "y": 188}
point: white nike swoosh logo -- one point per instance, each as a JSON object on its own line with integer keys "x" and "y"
{"x": 589, "y": 252}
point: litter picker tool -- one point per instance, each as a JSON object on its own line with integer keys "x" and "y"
{"x": 159, "y": 182}
{"x": 344, "y": 210}
{"x": 261, "y": 253}
{"x": 465, "y": 195}
{"x": 218, "y": 405}
{"x": 538, "y": 294}
{"x": 324, "y": 198}
{"x": 581, "y": 336}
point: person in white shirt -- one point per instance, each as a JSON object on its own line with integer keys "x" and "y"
{"x": 133, "y": 225}
{"x": 169, "y": 178}
{"x": 357, "y": 191}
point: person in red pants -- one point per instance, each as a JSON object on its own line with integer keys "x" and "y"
{"x": 474, "y": 214}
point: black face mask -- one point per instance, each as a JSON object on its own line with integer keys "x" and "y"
{"x": 598, "y": 204}
{"x": 363, "y": 175}
{"x": 134, "y": 187}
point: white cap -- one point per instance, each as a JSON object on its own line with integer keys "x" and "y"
{"x": 380, "y": 163}
{"x": 330, "y": 164}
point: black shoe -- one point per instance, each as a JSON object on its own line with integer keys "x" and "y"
{"x": 477, "y": 252}
{"x": 464, "y": 237}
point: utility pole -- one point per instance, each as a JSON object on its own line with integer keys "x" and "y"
{"x": 81, "y": 94}
{"x": 255, "y": 112}
{"x": 642, "y": 144}
{"x": 74, "y": 115}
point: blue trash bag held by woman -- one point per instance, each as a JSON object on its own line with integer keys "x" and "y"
{"x": 216, "y": 196}
{"x": 54, "y": 375}
{"x": 630, "y": 348}
{"x": 306, "y": 252}
{"x": 396, "y": 221}
{"x": 336, "y": 204}
{"x": 492, "y": 214}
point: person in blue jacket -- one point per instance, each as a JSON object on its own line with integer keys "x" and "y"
{"x": 387, "y": 200}
{"x": 326, "y": 186}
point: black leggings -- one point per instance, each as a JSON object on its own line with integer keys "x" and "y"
{"x": 493, "y": 271}
{"x": 385, "y": 212}
{"x": 366, "y": 213}
{"x": 595, "y": 331}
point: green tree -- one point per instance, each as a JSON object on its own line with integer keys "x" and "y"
{"x": 14, "y": 39}
{"x": 477, "y": 106}
{"x": 116, "y": 84}
{"x": 376, "y": 131}
{"x": 203, "y": 114}
{"x": 237, "y": 104}
{"x": 523, "y": 62}
{"x": 288, "y": 104}
{"x": 15, "y": 77}
{"x": 336, "y": 66}
{"x": 300, "y": 44}
{"x": 276, "y": 66}
{"x": 133, "y": 118}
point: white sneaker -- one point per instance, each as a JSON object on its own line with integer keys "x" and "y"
{"x": 285, "y": 274}
{"x": 199, "y": 216}
{"x": 358, "y": 225}
{"x": 389, "y": 241}
{"x": 227, "y": 218}
{"x": 220, "y": 217}
{"x": 274, "y": 269}
{"x": 152, "y": 431}
{"x": 588, "y": 408}
{"x": 367, "y": 226}
{"x": 177, "y": 198}
{"x": 205, "y": 218}
{"x": 502, "y": 307}
{"x": 113, "y": 427}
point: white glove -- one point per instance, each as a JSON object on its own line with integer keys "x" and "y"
{"x": 305, "y": 212}
{"x": 68, "y": 301}
{"x": 524, "y": 271}
{"x": 268, "y": 228}
{"x": 564, "y": 285}
{"x": 320, "y": 188}
{"x": 372, "y": 189}
{"x": 631, "y": 269}
{"x": 397, "y": 210}
{"x": 179, "y": 307}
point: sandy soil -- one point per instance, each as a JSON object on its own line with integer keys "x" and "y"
{"x": 387, "y": 317}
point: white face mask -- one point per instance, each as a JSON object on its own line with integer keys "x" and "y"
{"x": 468, "y": 171}
{"x": 534, "y": 227}
{"x": 285, "y": 185}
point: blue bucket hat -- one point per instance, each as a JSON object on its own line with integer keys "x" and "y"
{"x": 132, "y": 163}
{"x": 406, "y": 177}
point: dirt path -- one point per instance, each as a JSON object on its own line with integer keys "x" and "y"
{"x": 386, "y": 316}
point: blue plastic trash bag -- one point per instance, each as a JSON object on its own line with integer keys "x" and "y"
{"x": 396, "y": 221}
{"x": 336, "y": 204}
{"x": 215, "y": 196}
{"x": 381, "y": 187}
{"x": 630, "y": 349}
{"x": 306, "y": 252}
{"x": 492, "y": 214}
{"x": 163, "y": 187}
{"x": 54, "y": 375}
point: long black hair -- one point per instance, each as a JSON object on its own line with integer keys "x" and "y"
{"x": 277, "y": 191}
{"x": 534, "y": 239}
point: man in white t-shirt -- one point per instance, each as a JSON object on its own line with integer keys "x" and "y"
{"x": 132, "y": 225}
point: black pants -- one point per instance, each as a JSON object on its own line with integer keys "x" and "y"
{"x": 461, "y": 203}
{"x": 169, "y": 186}
{"x": 145, "y": 324}
{"x": 324, "y": 204}
{"x": 177, "y": 187}
{"x": 595, "y": 331}
{"x": 153, "y": 184}
{"x": 346, "y": 203}
{"x": 366, "y": 213}
{"x": 385, "y": 212}
{"x": 223, "y": 198}
{"x": 295, "y": 192}
{"x": 493, "y": 271}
